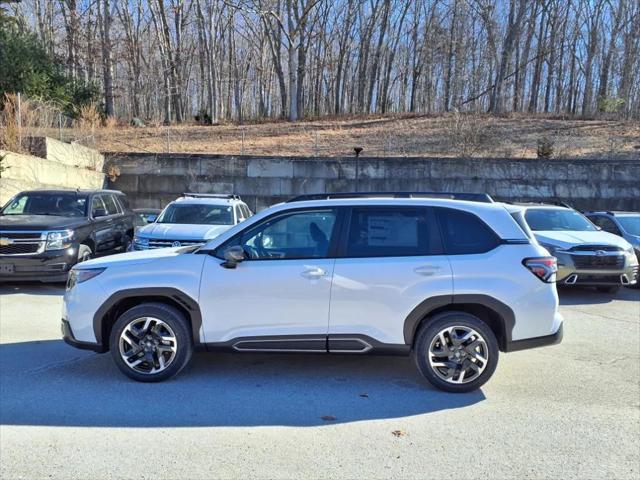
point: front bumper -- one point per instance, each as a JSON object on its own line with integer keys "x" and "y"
{"x": 67, "y": 336}
{"x": 571, "y": 274}
{"x": 47, "y": 266}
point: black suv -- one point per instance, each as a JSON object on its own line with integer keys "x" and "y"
{"x": 43, "y": 233}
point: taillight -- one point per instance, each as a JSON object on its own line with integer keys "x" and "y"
{"x": 544, "y": 268}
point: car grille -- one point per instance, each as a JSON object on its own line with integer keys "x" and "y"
{"x": 595, "y": 248}
{"x": 174, "y": 243}
{"x": 19, "y": 248}
{"x": 598, "y": 262}
{"x": 20, "y": 243}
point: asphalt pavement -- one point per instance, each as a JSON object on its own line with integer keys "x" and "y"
{"x": 567, "y": 411}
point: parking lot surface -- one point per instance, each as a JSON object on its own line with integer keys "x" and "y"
{"x": 568, "y": 411}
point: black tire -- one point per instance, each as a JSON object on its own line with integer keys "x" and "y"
{"x": 171, "y": 317}
{"x": 428, "y": 332}
{"x": 84, "y": 253}
{"x": 126, "y": 243}
{"x": 613, "y": 289}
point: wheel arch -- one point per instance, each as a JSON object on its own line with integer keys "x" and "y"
{"x": 88, "y": 241}
{"x": 123, "y": 300}
{"x": 498, "y": 316}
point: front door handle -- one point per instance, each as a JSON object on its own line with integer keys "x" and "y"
{"x": 313, "y": 273}
{"x": 427, "y": 270}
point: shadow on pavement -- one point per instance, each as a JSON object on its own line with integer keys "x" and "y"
{"x": 590, "y": 296}
{"x": 32, "y": 288}
{"x": 49, "y": 383}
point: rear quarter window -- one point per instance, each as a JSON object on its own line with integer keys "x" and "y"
{"x": 464, "y": 233}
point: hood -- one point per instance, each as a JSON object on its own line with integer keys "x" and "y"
{"x": 132, "y": 258}
{"x": 39, "y": 222}
{"x": 567, "y": 239}
{"x": 179, "y": 231}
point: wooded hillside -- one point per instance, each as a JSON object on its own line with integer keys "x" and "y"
{"x": 171, "y": 60}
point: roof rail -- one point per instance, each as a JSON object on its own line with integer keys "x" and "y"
{"x": 230, "y": 196}
{"x": 471, "y": 197}
{"x": 554, "y": 203}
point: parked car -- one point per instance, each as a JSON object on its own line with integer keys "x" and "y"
{"x": 43, "y": 233}
{"x": 586, "y": 254}
{"x": 192, "y": 219}
{"x": 451, "y": 282}
{"x": 623, "y": 224}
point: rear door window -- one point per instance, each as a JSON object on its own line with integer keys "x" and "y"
{"x": 392, "y": 232}
{"x": 464, "y": 233}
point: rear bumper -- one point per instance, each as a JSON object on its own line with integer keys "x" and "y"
{"x": 536, "y": 342}
{"x": 67, "y": 336}
{"x": 48, "y": 266}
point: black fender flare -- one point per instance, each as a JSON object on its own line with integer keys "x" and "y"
{"x": 411, "y": 323}
{"x": 178, "y": 296}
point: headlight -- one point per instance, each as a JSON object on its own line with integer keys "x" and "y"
{"x": 59, "y": 240}
{"x": 82, "y": 275}
{"x": 141, "y": 242}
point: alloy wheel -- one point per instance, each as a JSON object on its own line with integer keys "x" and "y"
{"x": 458, "y": 354}
{"x": 148, "y": 345}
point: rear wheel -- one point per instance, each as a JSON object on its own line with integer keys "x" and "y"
{"x": 456, "y": 352}
{"x": 151, "y": 342}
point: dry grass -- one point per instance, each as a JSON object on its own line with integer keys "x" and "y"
{"x": 448, "y": 136}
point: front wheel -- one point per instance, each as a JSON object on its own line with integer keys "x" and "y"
{"x": 151, "y": 342}
{"x": 456, "y": 352}
{"x": 84, "y": 253}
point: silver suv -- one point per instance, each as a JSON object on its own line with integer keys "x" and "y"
{"x": 193, "y": 219}
{"x": 586, "y": 254}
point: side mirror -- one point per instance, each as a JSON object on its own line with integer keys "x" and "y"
{"x": 99, "y": 212}
{"x": 233, "y": 256}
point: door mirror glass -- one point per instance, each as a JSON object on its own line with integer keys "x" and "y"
{"x": 233, "y": 255}
{"x": 99, "y": 212}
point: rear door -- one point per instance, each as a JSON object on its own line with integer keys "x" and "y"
{"x": 391, "y": 261}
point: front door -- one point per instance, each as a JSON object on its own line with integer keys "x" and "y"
{"x": 280, "y": 291}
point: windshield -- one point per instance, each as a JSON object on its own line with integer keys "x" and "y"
{"x": 197, "y": 214}
{"x": 61, "y": 204}
{"x": 630, "y": 224}
{"x": 541, "y": 219}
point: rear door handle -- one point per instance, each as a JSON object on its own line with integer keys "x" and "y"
{"x": 313, "y": 273}
{"x": 427, "y": 270}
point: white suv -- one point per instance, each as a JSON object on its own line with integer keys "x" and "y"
{"x": 193, "y": 219}
{"x": 451, "y": 282}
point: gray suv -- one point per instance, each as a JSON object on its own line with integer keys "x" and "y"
{"x": 586, "y": 254}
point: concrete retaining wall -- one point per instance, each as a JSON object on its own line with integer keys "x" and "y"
{"x": 153, "y": 180}
{"x": 56, "y": 165}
